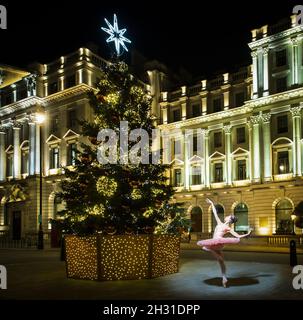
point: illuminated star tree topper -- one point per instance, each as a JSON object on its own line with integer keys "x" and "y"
{"x": 116, "y": 35}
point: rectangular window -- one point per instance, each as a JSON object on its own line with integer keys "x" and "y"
{"x": 9, "y": 166}
{"x": 24, "y": 134}
{"x": 196, "y": 176}
{"x": 283, "y": 162}
{"x": 195, "y": 144}
{"x": 9, "y": 137}
{"x": 281, "y": 58}
{"x": 196, "y": 110}
{"x": 70, "y": 81}
{"x": 72, "y": 119}
{"x": 53, "y": 87}
{"x": 281, "y": 84}
{"x": 241, "y": 169}
{"x": 177, "y": 178}
{"x": 282, "y": 124}
{"x": 55, "y": 124}
{"x": 218, "y": 176}
{"x": 240, "y": 135}
{"x": 25, "y": 163}
{"x": 176, "y": 148}
{"x": 176, "y": 115}
{"x": 7, "y": 98}
{"x": 22, "y": 93}
{"x": 218, "y": 139}
{"x": 72, "y": 154}
{"x": 54, "y": 158}
{"x": 217, "y": 105}
{"x": 239, "y": 99}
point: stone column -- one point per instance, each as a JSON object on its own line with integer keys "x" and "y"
{"x": 186, "y": 144}
{"x": 294, "y": 65}
{"x": 266, "y": 147}
{"x": 206, "y": 174}
{"x": 296, "y": 117}
{"x": 164, "y": 115}
{"x": 254, "y": 56}
{"x": 17, "y": 151}
{"x": 265, "y": 72}
{"x": 37, "y": 151}
{"x": 14, "y": 92}
{"x": 2, "y": 154}
{"x": 204, "y": 103}
{"x": 249, "y": 126}
{"x": 183, "y": 107}
{"x": 227, "y": 130}
{"x": 256, "y": 148}
{"x": 155, "y": 79}
{"x": 32, "y": 146}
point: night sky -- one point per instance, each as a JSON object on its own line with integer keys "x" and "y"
{"x": 201, "y": 37}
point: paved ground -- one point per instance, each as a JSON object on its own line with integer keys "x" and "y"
{"x": 40, "y": 275}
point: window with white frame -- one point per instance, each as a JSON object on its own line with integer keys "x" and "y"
{"x": 71, "y": 154}
{"x": 195, "y": 177}
{"x": 176, "y": 148}
{"x": 282, "y": 156}
{"x": 241, "y": 169}
{"x": 218, "y": 172}
{"x": 283, "y": 162}
{"x": 54, "y": 158}
{"x": 177, "y": 177}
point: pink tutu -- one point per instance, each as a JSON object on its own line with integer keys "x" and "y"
{"x": 217, "y": 243}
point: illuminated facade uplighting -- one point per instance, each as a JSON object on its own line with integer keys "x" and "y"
{"x": 250, "y": 121}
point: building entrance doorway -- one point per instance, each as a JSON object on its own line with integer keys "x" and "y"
{"x": 16, "y": 225}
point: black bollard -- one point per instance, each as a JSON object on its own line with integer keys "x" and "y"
{"x": 293, "y": 253}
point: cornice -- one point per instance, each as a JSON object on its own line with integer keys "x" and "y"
{"x": 207, "y": 118}
{"x": 278, "y": 97}
{"x": 34, "y": 100}
{"x": 278, "y": 36}
{"x": 74, "y": 91}
{"x": 21, "y": 105}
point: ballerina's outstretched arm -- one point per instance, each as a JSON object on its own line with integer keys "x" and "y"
{"x": 214, "y": 211}
{"x": 237, "y": 235}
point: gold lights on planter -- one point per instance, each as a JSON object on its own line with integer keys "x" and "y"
{"x": 124, "y": 257}
{"x": 166, "y": 250}
{"x": 81, "y": 257}
{"x": 120, "y": 257}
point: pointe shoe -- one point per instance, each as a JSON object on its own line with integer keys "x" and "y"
{"x": 224, "y": 282}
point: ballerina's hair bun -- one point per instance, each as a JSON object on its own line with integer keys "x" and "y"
{"x": 233, "y": 219}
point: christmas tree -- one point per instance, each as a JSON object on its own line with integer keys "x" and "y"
{"x": 116, "y": 197}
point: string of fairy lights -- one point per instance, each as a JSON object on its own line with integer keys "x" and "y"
{"x": 81, "y": 257}
{"x": 121, "y": 257}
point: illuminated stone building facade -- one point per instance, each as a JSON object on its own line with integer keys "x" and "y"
{"x": 60, "y": 89}
{"x": 249, "y": 123}
{"x": 247, "y": 126}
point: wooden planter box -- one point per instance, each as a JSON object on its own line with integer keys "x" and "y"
{"x": 121, "y": 257}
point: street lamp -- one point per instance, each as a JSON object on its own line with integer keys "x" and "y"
{"x": 40, "y": 118}
{"x": 293, "y": 218}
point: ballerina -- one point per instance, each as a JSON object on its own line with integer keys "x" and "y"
{"x": 216, "y": 244}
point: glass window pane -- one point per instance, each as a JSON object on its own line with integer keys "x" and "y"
{"x": 241, "y": 212}
{"x": 284, "y": 224}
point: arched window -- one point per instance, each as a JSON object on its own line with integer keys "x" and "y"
{"x": 220, "y": 212}
{"x": 196, "y": 219}
{"x": 284, "y": 224}
{"x": 241, "y": 212}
